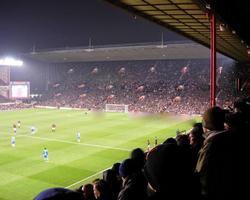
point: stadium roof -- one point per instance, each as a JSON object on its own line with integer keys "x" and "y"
{"x": 127, "y": 52}
{"x": 190, "y": 18}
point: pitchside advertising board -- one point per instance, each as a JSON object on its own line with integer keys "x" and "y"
{"x": 19, "y": 90}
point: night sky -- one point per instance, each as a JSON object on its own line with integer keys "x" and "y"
{"x": 48, "y": 24}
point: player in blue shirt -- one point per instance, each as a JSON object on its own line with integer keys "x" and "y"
{"x": 78, "y": 136}
{"x": 13, "y": 141}
{"x": 33, "y": 130}
{"x": 45, "y": 154}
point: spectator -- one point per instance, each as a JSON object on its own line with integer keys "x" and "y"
{"x": 134, "y": 183}
{"x": 215, "y": 162}
{"x": 112, "y": 180}
{"x": 166, "y": 175}
{"x": 58, "y": 194}
{"x": 88, "y": 192}
{"x": 115, "y": 168}
{"x": 170, "y": 141}
{"x": 196, "y": 140}
{"x": 138, "y": 156}
{"x": 102, "y": 190}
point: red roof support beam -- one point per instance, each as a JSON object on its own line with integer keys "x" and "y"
{"x": 212, "y": 59}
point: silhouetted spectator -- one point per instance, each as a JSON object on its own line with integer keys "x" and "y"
{"x": 182, "y": 140}
{"x": 134, "y": 183}
{"x": 185, "y": 148}
{"x": 114, "y": 183}
{"x": 166, "y": 175}
{"x": 102, "y": 190}
{"x": 138, "y": 156}
{"x": 196, "y": 136}
{"x": 170, "y": 141}
{"x": 215, "y": 164}
{"x": 196, "y": 139}
{"x": 115, "y": 168}
{"x": 59, "y": 194}
{"x": 88, "y": 192}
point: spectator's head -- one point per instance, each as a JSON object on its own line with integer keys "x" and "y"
{"x": 243, "y": 107}
{"x": 214, "y": 118}
{"x": 115, "y": 168}
{"x": 170, "y": 141}
{"x": 138, "y": 156}
{"x": 182, "y": 140}
{"x": 163, "y": 168}
{"x": 109, "y": 176}
{"x": 198, "y": 126}
{"x": 88, "y": 191}
{"x": 196, "y": 135}
{"x": 101, "y": 190}
{"x": 127, "y": 168}
{"x": 239, "y": 106}
{"x": 58, "y": 194}
{"x": 234, "y": 121}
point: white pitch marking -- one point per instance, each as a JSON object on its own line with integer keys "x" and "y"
{"x": 83, "y": 144}
{"x": 87, "y": 177}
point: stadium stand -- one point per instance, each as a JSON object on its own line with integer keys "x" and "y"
{"x": 146, "y": 86}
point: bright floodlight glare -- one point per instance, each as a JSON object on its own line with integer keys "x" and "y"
{"x": 8, "y": 61}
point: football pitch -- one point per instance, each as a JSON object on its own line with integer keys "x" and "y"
{"x": 105, "y": 139}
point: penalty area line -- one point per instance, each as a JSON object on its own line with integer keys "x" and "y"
{"x": 69, "y": 142}
{"x": 93, "y": 175}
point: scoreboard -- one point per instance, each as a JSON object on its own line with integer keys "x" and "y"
{"x": 19, "y": 90}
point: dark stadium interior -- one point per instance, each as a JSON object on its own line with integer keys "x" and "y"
{"x": 235, "y": 13}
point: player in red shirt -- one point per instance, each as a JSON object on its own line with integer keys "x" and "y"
{"x": 53, "y": 128}
{"x": 19, "y": 124}
{"x": 14, "y": 128}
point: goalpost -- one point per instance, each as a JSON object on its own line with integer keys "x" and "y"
{"x": 116, "y": 108}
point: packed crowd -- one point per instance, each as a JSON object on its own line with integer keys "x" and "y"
{"x": 180, "y": 86}
{"x": 14, "y": 106}
{"x": 208, "y": 163}
{"x": 3, "y": 99}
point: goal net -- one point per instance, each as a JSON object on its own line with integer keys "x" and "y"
{"x": 116, "y": 108}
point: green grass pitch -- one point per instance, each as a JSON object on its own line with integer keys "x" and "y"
{"x": 105, "y": 139}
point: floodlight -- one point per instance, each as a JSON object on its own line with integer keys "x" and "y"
{"x": 8, "y": 61}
